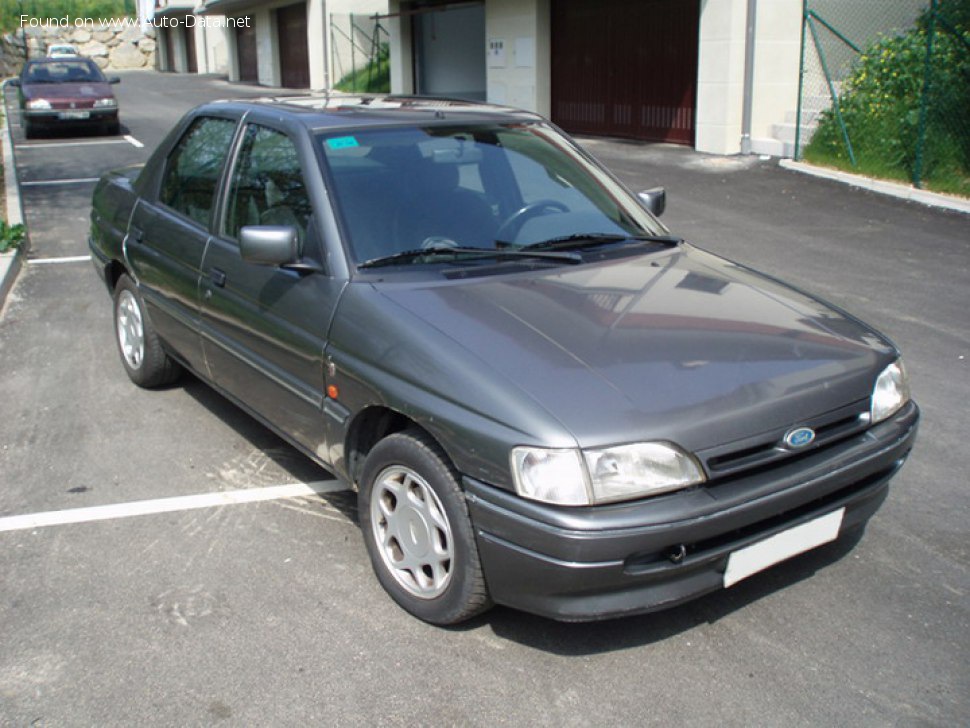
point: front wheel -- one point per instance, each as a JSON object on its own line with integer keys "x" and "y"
{"x": 417, "y": 530}
{"x": 142, "y": 354}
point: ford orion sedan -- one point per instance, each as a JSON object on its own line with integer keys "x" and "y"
{"x": 543, "y": 398}
{"x": 60, "y": 92}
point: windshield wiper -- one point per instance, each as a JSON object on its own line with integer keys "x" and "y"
{"x": 591, "y": 240}
{"x": 451, "y": 252}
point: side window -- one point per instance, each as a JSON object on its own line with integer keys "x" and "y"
{"x": 267, "y": 184}
{"x": 194, "y": 167}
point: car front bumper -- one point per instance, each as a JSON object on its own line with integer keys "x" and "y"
{"x": 577, "y": 564}
{"x": 56, "y": 117}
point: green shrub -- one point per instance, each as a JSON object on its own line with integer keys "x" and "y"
{"x": 880, "y": 104}
{"x": 11, "y": 10}
{"x": 11, "y": 236}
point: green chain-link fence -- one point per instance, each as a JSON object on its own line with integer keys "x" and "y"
{"x": 885, "y": 90}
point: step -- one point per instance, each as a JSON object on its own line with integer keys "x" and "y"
{"x": 809, "y": 116}
{"x": 786, "y": 132}
{"x": 816, "y": 103}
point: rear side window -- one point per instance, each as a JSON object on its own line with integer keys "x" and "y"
{"x": 194, "y": 168}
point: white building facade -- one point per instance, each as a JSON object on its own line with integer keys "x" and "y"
{"x": 662, "y": 70}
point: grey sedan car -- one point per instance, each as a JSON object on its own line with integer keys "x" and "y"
{"x": 543, "y": 398}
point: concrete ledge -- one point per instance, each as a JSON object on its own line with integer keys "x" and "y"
{"x": 10, "y": 263}
{"x": 894, "y": 189}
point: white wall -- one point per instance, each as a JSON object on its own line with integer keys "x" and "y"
{"x": 318, "y": 42}
{"x": 267, "y": 42}
{"x": 777, "y": 47}
{"x": 524, "y": 78}
{"x": 216, "y": 50}
{"x": 401, "y": 52}
{"x": 720, "y": 76}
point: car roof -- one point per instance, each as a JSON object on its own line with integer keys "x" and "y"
{"x": 333, "y": 110}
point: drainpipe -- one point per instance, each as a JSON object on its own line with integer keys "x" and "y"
{"x": 748, "y": 78}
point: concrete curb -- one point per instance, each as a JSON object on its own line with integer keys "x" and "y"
{"x": 10, "y": 263}
{"x": 894, "y": 189}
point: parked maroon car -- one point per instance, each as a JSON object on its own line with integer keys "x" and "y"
{"x": 56, "y": 92}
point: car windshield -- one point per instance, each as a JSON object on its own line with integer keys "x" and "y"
{"x": 63, "y": 72}
{"x": 491, "y": 186}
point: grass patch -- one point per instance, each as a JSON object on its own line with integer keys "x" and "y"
{"x": 375, "y": 77}
{"x": 11, "y": 236}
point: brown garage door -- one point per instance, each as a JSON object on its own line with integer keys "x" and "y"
{"x": 294, "y": 58}
{"x": 246, "y": 52}
{"x": 191, "y": 63}
{"x": 169, "y": 34}
{"x": 625, "y": 68}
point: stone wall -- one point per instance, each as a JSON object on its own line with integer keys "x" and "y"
{"x": 115, "y": 47}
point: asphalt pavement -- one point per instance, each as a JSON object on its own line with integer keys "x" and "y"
{"x": 268, "y": 613}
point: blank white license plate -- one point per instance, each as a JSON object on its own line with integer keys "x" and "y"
{"x": 74, "y": 115}
{"x": 759, "y": 556}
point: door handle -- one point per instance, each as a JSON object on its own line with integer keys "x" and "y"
{"x": 135, "y": 235}
{"x": 218, "y": 277}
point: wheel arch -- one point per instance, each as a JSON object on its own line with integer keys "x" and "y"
{"x": 112, "y": 274}
{"x": 371, "y": 425}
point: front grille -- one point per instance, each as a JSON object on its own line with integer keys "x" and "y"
{"x": 765, "y": 450}
{"x": 67, "y": 105}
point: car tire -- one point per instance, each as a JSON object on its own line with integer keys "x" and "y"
{"x": 30, "y": 130}
{"x": 141, "y": 352}
{"x": 418, "y": 532}
{"x": 112, "y": 128}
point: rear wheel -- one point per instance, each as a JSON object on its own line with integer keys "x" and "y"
{"x": 417, "y": 530}
{"x": 142, "y": 354}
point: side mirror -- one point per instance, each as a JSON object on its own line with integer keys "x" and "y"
{"x": 269, "y": 244}
{"x": 114, "y": 79}
{"x": 15, "y": 82}
{"x": 654, "y": 200}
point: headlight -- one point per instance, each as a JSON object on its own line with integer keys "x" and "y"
{"x": 553, "y": 476}
{"x": 38, "y": 104}
{"x": 890, "y": 393}
{"x": 566, "y": 477}
{"x": 105, "y": 103}
{"x": 634, "y": 471}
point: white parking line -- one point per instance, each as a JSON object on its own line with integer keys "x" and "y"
{"x": 52, "y": 182}
{"x": 167, "y": 505}
{"x": 134, "y": 142}
{"x": 65, "y": 259}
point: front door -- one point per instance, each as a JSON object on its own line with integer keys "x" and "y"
{"x": 265, "y": 327}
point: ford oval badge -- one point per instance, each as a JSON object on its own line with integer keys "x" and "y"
{"x": 800, "y": 437}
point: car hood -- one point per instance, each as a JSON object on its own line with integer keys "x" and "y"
{"x": 682, "y": 346}
{"x": 78, "y": 91}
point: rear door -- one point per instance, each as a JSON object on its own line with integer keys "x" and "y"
{"x": 167, "y": 237}
{"x": 265, "y": 328}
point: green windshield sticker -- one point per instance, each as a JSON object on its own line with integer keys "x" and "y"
{"x": 342, "y": 142}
